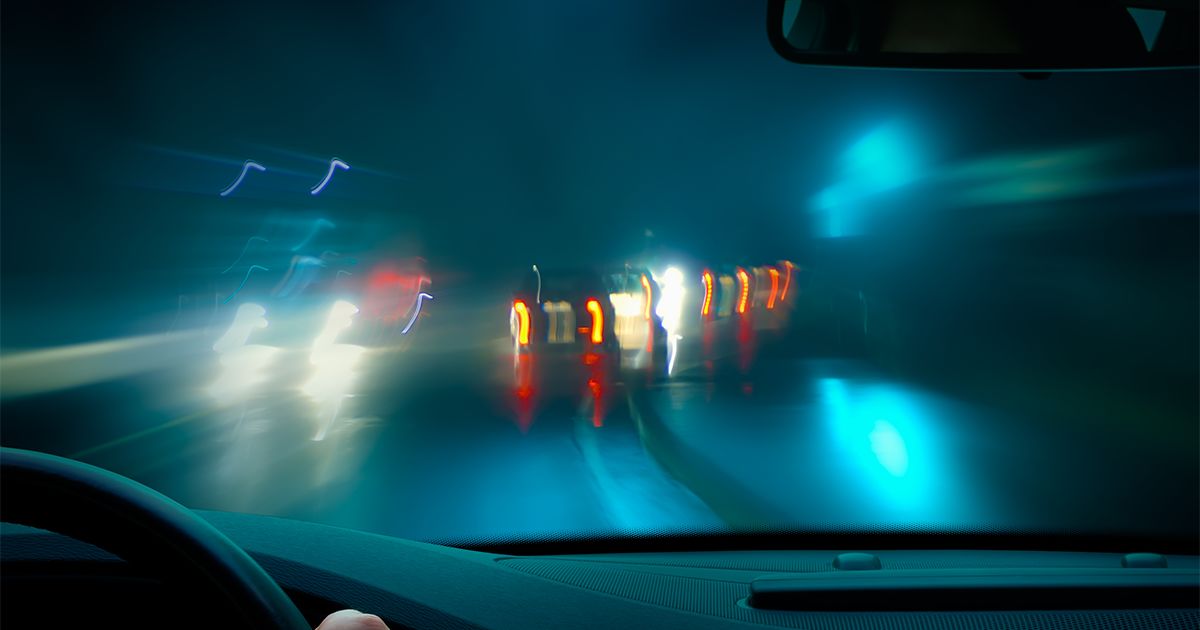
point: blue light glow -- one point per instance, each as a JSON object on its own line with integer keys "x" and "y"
{"x": 312, "y": 232}
{"x": 887, "y": 438}
{"x": 302, "y": 273}
{"x": 879, "y": 162}
{"x": 333, "y": 164}
{"x": 249, "y": 164}
{"x": 889, "y": 448}
{"x": 416, "y": 311}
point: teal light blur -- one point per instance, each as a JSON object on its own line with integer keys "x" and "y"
{"x": 889, "y": 448}
{"x": 1043, "y": 175}
{"x": 889, "y": 441}
{"x": 880, "y": 161}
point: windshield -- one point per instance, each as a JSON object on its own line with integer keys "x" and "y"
{"x": 329, "y": 263}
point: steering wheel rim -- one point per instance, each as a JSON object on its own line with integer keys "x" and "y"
{"x": 146, "y": 529}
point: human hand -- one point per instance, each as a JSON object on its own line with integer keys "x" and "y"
{"x": 352, "y": 620}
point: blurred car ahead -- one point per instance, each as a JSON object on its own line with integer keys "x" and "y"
{"x": 561, "y": 324}
{"x": 635, "y": 295}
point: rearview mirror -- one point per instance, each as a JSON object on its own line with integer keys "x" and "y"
{"x": 1015, "y": 35}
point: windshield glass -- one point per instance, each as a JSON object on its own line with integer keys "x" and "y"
{"x": 330, "y": 263}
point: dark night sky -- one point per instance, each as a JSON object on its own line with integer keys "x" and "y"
{"x": 480, "y": 133}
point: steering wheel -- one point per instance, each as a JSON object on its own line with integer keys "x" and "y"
{"x": 147, "y": 530}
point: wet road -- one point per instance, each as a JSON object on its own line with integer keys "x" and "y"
{"x": 436, "y": 444}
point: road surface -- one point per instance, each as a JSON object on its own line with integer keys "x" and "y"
{"x": 436, "y": 444}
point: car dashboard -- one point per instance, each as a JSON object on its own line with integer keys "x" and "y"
{"x": 418, "y": 585}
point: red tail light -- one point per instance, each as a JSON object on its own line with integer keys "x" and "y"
{"x": 593, "y": 307}
{"x": 706, "y": 306}
{"x": 522, "y": 313}
{"x": 774, "y": 287}
{"x": 744, "y": 280}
